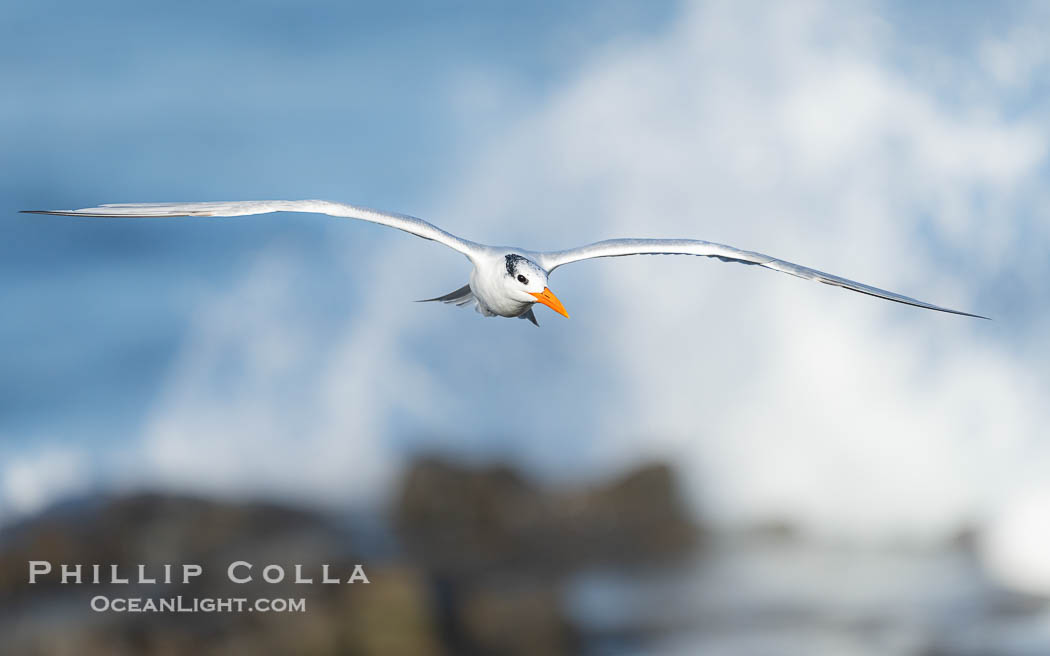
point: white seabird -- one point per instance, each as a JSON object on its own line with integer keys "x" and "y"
{"x": 506, "y": 281}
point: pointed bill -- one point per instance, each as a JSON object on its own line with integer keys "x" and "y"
{"x": 548, "y": 298}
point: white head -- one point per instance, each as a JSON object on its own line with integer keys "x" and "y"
{"x": 526, "y": 282}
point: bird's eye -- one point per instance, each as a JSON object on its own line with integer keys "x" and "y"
{"x": 523, "y": 280}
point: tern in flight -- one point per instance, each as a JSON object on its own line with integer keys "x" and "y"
{"x": 506, "y": 281}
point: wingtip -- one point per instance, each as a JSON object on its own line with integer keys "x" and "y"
{"x": 51, "y": 212}
{"x": 961, "y": 313}
{"x": 967, "y": 314}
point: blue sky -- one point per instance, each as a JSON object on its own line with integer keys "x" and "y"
{"x": 902, "y": 146}
{"x": 315, "y": 100}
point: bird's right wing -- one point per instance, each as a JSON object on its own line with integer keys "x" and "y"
{"x": 409, "y": 224}
{"x": 620, "y": 247}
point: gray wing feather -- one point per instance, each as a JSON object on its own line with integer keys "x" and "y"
{"x": 409, "y": 224}
{"x": 620, "y": 247}
{"x": 462, "y": 297}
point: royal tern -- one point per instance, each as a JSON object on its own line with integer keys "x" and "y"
{"x": 505, "y": 281}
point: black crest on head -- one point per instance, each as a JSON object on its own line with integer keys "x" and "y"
{"x": 512, "y": 263}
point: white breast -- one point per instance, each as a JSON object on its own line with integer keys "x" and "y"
{"x": 488, "y": 286}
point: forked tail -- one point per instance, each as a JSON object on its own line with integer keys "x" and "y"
{"x": 460, "y": 297}
{"x": 464, "y": 296}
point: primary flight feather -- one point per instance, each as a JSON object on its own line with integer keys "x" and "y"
{"x": 505, "y": 281}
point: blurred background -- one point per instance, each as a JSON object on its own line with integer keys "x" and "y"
{"x": 772, "y": 467}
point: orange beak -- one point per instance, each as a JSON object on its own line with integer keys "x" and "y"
{"x": 548, "y": 298}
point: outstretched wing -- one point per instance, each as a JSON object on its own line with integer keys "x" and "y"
{"x": 620, "y": 247}
{"x": 410, "y": 224}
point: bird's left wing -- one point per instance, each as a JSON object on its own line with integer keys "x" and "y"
{"x": 409, "y": 224}
{"x": 618, "y": 247}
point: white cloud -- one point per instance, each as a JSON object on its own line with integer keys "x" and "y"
{"x": 262, "y": 401}
{"x": 1013, "y": 60}
{"x": 1014, "y": 549}
{"x": 31, "y": 480}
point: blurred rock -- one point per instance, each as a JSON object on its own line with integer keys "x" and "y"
{"x": 480, "y": 567}
{"x": 498, "y": 546}
{"x": 390, "y": 615}
{"x": 154, "y": 529}
{"x": 507, "y": 617}
{"x": 462, "y": 520}
{"x": 638, "y": 518}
